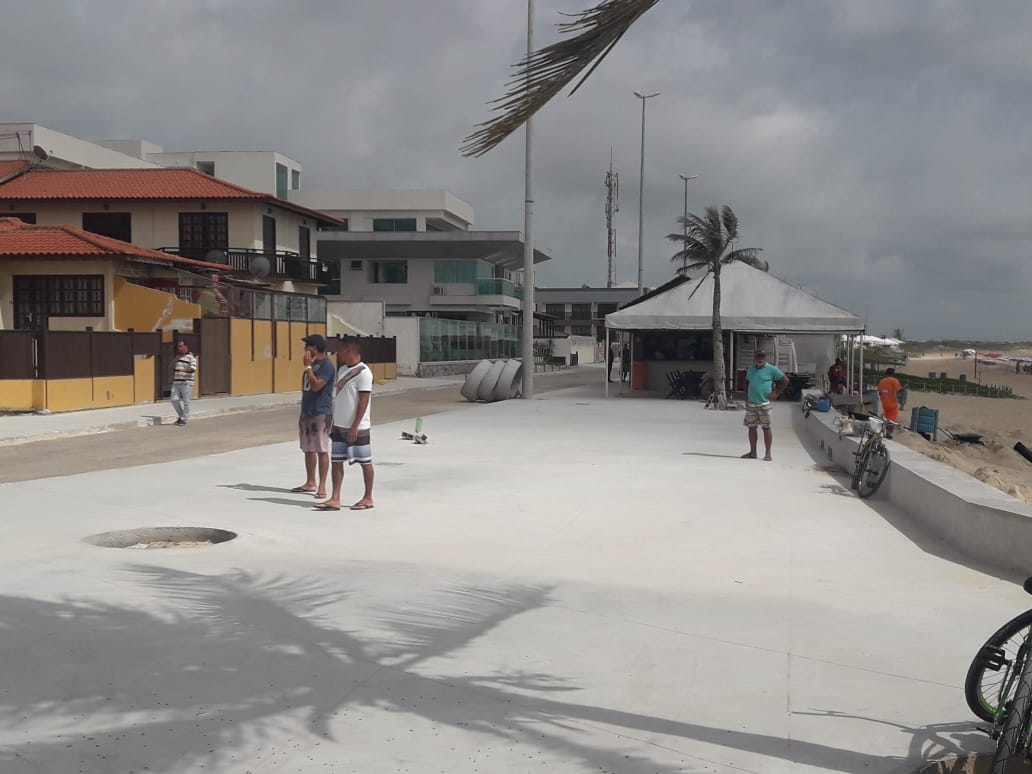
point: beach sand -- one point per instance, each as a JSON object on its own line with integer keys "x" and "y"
{"x": 1002, "y": 422}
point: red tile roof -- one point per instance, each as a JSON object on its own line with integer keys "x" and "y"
{"x": 167, "y": 183}
{"x": 10, "y": 167}
{"x": 18, "y": 239}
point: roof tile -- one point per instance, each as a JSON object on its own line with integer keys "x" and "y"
{"x": 19, "y": 239}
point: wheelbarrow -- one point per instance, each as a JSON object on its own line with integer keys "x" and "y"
{"x": 973, "y": 438}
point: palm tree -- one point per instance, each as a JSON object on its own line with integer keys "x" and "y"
{"x": 543, "y": 74}
{"x": 708, "y": 243}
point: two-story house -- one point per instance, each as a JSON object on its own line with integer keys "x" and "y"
{"x": 262, "y": 238}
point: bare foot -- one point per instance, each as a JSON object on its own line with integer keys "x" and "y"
{"x": 327, "y": 506}
{"x": 305, "y": 489}
{"x": 749, "y": 456}
{"x": 766, "y": 458}
{"x": 320, "y": 495}
{"x": 362, "y": 505}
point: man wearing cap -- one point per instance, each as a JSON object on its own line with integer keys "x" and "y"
{"x": 766, "y": 383}
{"x": 316, "y": 421}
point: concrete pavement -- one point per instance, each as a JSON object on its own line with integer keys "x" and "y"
{"x": 566, "y": 584}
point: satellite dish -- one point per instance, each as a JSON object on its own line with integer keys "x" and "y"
{"x": 260, "y": 267}
{"x": 40, "y": 153}
{"x": 216, "y": 255}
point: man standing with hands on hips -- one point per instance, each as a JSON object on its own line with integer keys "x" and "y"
{"x": 316, "y": 420}
{"x": 762, "y": 378}
{"x": 351, "y": 423}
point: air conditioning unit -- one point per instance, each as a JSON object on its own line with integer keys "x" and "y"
{"x": 439, "y": 291}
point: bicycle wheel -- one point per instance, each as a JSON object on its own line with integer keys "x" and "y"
{"x": 987, "y": 677}
{"x": 1014, "y": 735}
{"x": 876, "y": 465}
{"x": 858, "y": 466}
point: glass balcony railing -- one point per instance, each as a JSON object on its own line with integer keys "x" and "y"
{"x": 499, "y": 287}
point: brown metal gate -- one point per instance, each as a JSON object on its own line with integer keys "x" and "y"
{"x": 214, "y": 356}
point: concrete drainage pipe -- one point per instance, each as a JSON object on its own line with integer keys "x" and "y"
{"x": 471, "y": 386}
{"x": 509, "y": 381}
{"x": 486, "y": 389}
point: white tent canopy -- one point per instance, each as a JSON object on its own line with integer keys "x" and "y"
{"x": 752, "y": 301}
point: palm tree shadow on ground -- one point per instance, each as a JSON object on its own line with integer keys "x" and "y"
{"x": 239, "y": 663}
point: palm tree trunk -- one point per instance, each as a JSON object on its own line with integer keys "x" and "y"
{"x": 719, "y": 374}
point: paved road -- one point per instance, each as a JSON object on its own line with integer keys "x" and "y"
{"x": 223, "y": 433}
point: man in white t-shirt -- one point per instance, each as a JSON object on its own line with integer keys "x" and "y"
{"x": 350, "y": 441}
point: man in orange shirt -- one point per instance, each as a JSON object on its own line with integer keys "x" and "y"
{"x": 889, "y": 389}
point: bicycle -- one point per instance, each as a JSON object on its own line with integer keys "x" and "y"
{"x": 872, "y": 457}
{"x": 998, "y": 688}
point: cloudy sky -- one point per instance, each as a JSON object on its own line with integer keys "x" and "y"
{"x": 878, "y": 151}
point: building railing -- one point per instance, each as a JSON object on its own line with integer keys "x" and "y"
{"x": 280, "y": 264}
{"x": 499, "y": 287}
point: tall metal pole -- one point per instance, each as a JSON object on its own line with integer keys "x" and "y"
{"x": 528, "y": 238}
{"x": 686, "y": 178}
{"x": 641, "y": 193}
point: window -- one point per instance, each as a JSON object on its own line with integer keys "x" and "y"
{"x": 24, "y": 217}
{"x": 200, "y": 232}
{"x": 304, "y": 241}
{"x": 581, "y": 330}
{"x": 581, "y": 312}
{"x": 389, "y": 272}
{"x": 281, "y": 181}
{"x": 356, "y": 266}
{"x": 394, "y": 224}
{"x": 455, "y": 271}
{"x": 268, "y": 233}
{"x": 333, "y": 226}
{"x": 207, "y": 167}
{"x": 117, "y": 225}
{"x": 602, "y": 309}
{"x": 556, "y": 310}
{"x": 39, "y": 297}
{"x": 295, "y": 179}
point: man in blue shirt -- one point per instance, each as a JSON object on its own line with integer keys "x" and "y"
{"x": 762, "y": 378}
{"x": 316, "y": 420}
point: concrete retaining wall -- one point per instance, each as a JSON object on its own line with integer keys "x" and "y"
{"x": 974, "y": 518}
{"x": 446, "y": 368}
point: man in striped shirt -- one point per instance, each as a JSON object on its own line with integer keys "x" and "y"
{"x": 183, "y": 369}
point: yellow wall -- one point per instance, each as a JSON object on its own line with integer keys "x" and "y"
{"x": 147, "y": 309}
{"x": 250, "y": 375}
{"x": 21, "y": 394}
{"x": 145, "y": 373}
{"x": 101, "y": 392}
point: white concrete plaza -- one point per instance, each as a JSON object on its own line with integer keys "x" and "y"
{"x": 565, "y": 585}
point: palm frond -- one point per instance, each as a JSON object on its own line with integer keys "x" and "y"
{"x": 730, "y": 221}
{"x": 746, "y": 255}
{"x": 544, "y": 73}
{"x": 699, "y": 285}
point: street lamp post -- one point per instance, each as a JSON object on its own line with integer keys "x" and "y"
{"x": 686, "y": 178}
{"x": 641, "y": 192}
{"x": 528, "y": 239}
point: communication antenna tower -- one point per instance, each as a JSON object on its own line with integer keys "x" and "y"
{"x": 612, "y": 207}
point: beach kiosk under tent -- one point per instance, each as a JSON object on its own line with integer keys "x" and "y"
{"x": 671, "y": 328}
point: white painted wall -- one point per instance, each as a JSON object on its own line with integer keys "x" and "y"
{"x": 367, "y": 316}
{"x": 255, "y": 170}
{"x": 361, "y": 207}
{"x": 66, "y": 152}
{"x": 406, "y": 331}
{"x": 156, "y": 224}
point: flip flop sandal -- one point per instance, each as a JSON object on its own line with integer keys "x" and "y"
{"x": 361, "y": 507}
{"x": 325, "y": 507}
{"x": 302, "y": 490}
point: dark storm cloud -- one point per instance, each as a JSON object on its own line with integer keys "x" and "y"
{"x": 877, "y": 151}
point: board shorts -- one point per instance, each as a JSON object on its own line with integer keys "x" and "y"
{"x": 314, "y": 433}
{"x": 757, "y": 414}
{"x": 360, "y": 452}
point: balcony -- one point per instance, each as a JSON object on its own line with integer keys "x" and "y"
{"x": 274, "y": 264}
{"x": 499, "y": 287}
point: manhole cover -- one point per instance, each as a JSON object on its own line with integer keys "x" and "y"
{"x": 161, "y": 537}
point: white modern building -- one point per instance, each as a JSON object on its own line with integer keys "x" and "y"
{"x": 582, "y": 311}
{"x": 417, "y": 253}
{"x": 267, "y": 172}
